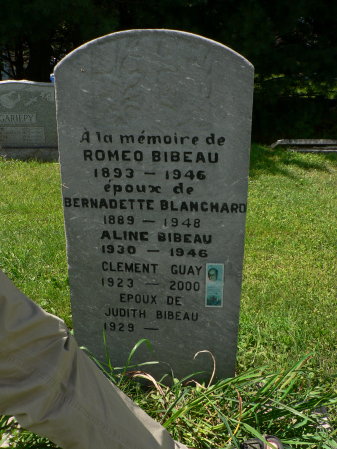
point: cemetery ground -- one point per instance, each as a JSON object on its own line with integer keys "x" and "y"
{"x": 287, "y": 345}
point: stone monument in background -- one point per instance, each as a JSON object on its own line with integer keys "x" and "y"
{"x": 28, "y": 120}
{"x": 154, "y": 138}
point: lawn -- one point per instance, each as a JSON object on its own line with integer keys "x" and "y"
{"x": 288, "y": 297}
{"x": 289, "y": 291}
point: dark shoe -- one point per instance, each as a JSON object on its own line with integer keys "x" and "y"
{"x": 256, "y": 443}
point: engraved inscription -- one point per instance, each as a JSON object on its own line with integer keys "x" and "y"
{"x": 17, "y": 118}
{"x": 153, "y": 201}
{"x": 21, "y": 136}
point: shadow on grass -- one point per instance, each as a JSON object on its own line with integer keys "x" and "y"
{"x": 264, "y": 160}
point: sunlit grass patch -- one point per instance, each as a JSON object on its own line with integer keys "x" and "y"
{"x": 288, "y": 303}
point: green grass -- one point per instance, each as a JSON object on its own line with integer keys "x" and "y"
{"x": 32, "y": 242}
{"x": 288, "y": 300}
{"x": 289, "y": 290}
{"x": 251, "y": 404}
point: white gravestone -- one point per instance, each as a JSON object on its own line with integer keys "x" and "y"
{"x": 27, "y": 115}
{"x": 154, "y": 137}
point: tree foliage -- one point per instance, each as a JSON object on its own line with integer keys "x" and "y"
{"x": 35, "y": 34}
{"x": 293, "y": 45}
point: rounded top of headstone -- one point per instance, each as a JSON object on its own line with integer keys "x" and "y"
{"x": 139, "y": 34}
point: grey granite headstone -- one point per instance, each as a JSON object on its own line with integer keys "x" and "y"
{"x": 154, "y": 137}
{"x": 307, "y": 145}
{"x": 27, "y": 116}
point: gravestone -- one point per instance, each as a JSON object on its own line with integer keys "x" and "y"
{"x": 27, "y": 119}
{"x": 154, "y": 137}
{"x": 307, "y": 145}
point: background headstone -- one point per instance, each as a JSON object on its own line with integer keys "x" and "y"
{"x": 27, "y": 118}
{"x": 154, "y": 137}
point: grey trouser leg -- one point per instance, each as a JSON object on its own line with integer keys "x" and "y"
{"x": 55, "y": 390}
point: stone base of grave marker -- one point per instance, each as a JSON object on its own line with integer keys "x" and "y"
{"x": 154, "y": 138}
{"x": 26, "y": 154}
